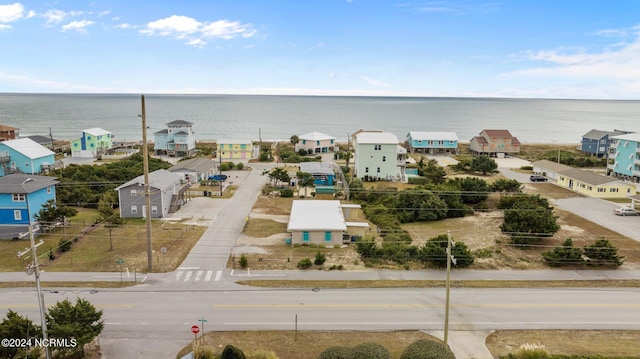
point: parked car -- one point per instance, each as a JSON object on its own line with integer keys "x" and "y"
{"x": 625, "y": 211}
{"x": 218, "y": 178}
{"x": 537, "y": 178}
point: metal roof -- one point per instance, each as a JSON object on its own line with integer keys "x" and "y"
{"x": 96, "y": 131}
{"x": 199, "y": 164}
{"x": 28, "y": 147}
{"x": 588, "y": 177}
{"x": 315, "y": 136}
{"x": 317, "y": 168}
{"x": 433, "y": 135}
{"x": 319, "y": 215}
{"x": 376, "y": 137}
{"x": 160, "y": 179}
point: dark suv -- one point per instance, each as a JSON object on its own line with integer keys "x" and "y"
{"x": 538, "y": 178}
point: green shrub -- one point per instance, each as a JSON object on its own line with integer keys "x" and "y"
{"x": 320, "y": 259}
{"x": 370, "y": 350}
{"x": 426, "y": 349}
{"x": 305, "y": 263}
{"x": 231, "y": 352}
{"x": 240, "y": 166}
{"x": 244, "y": 262}
{"x": 336, "y": 352}
{"x": 286, "y": 192}
{"x": 64, "y": 245}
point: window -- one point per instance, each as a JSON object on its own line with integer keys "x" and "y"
{"x": 48, "y": 189}
{"x": 602, "y": 190}
{"x": 613, "y": 190}
{"x": 17, "y": 215}
{"x": 378, "y": 169}
{"x": 154, "y": 209}
{"x": 18, "y": 197}
{"x": 377, "y": 147}
{"x": 366, "y": 170}
{"x": 305, "y": 236}
{"x": 134, "y": 209}
{"x": 133, "y": 193}
{"x": 384, "y": 158}
{"x": 318, "y": 143}
{"x": 327, "y": 236}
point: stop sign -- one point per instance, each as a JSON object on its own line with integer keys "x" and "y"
{"x": 195, "y": 329}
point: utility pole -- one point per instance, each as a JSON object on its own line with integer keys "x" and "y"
{"x": 147, "y": 194}
{"x": 446, "y": 310}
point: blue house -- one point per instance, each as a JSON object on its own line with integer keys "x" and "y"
{"x": 597, "y": 142}
{"x": 322, "y": 172}
{"x": 432, "y": 142}
{"x": 624, "y": 157}
{"x": 21, "y": 197}
{"x": 24, "y": 155}
{"x": 177, "y": 140}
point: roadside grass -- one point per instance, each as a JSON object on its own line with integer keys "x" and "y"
{"x": 126, "y": 282}
{"x": 304, "y": 344}
{"x": 261, "y": 227}
{"x": 605, "y": 343}
{"x": 273, "y": 205}
{"x": 90, "y": 249}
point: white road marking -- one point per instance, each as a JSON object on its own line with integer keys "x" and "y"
{"x": 208, "y": 276}
{"x": 198, "y": 275}
{"x": 188, "y": 276}
{"x": 218, "y": 276}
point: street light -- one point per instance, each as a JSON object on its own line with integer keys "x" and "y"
{"x": 36, "y": 271}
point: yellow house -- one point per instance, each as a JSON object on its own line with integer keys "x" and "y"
{"x": 235, "y": 149}
{"x": 595, "y": 185}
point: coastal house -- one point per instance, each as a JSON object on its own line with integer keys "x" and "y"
{"x": 21, "y": 197}
{"x": 597, "y": 142}
{"x": 549, "y": 169}
{"x": 323, "y": 222}
{"x": 92, "y": 144}
{"x": 379, "y": 156}
{"x": 232, "y": 149}
{"x": 432, "y": 142}
{"x": 595, "y": 185}
{"x": 167, "y": 194}
{"x": 177, "y": 140}
{"x": 8, "y": 133}
{"x": 23, "y": 155}
{"x": 322, "y": 172}
{"x": 624, "y": 157}
{"x": 494, "y": 143}
{"x": 194, "y": 170}
{"x": 315, "y": 142}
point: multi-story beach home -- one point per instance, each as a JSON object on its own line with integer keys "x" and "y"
{"x": 624, "y": 157}
{"x": 379, "y": 156}
{"x": 432, "y": 142}
{"x": 21, "y": 197}
{"x": 23, "y": 155}
{"x": 597, "y": 142}
{"x": 177, "y": 140}
{"x": 8, "y": 133}
{"x": 167, "y": 194}
{"x": 231, "y": 149}
{"x": 93, "y": 143}
{"x": 316, "y": 142}
{"x": 494, "y": 143}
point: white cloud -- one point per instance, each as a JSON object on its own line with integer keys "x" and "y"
{"x": 374, "y": 82}
{"x": 77, "y": 25}
{"x": 57, "y": 16}
{"x": 123, "y": 26}
{"x": 11, "y": 13}
{"x": 4, "y": 27}
{"x": 183, "y": 27}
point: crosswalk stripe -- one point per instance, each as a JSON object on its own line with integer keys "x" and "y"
{"x": 198, "y": 275}
{"x": 188, "y": 276}
{"x": 208, "y": 276}
{"x": 179, "y": 274}
{"x": 218, "y": 276}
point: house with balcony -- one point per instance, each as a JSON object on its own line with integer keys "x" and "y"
{"x": 8, "y": 133}
{"x": 494, "y": 143}
{"x": 378, "y": 155}
{"x": 597, "y": 142}
{"x": 624, "y": 157}
{"x": 432, "y": 142}
{"x": 21, "y": 197}
{"x": 23, "y": 155}
{"x": 235, "y": 149}
{"x": 93, "y": 143}
{"x": 324, "y": 222}
{"x": 177, "y": 140}
{"x": 167, "y": 192}
{"x": 315, "y": 142}
{"x": 594, "y": 185}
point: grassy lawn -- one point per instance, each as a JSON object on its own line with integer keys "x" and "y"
{"x": 261, "y": 227}
{"x": 91, "y": 246}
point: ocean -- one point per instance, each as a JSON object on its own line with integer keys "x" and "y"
{"x": 280, "y": 117}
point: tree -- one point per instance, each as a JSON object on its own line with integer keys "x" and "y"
{"x": 419, "y": 205}
{"x": 473, "y": 189}
{"x": 305, "y": 180}
{"x": 426, "y": 349}
{"x": 603, "y": 253}
{"x": 435, "y": 173}
{"x": 483, "y": 164}
{"x": 435, "y": 251}
{"x": 52, "y": 213}
{"x": 528, "y": 219}
{"x": 370, "y": 350}
{"x": 231, "y": 352}
{"x": 506, "y": 185}
{"x": 564, "y": 255}
{"x": 279, "y": 174}
{"x": 294, "y": 139}
{"x": 320, "y": 259}
{"x": 17, "y": 326}
{"x": 80, "y": 321}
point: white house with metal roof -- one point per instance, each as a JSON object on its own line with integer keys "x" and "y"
{"x": 378, "y": 155}
{"x": 24, "y": 155}
{"x": 321, "y": 222}
{"x": 316, "y": 142}
{"x": 167, "y": 194}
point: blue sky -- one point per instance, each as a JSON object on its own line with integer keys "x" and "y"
{"x": 508, "y": 48}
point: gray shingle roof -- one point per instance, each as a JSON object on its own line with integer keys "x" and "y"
{"x": 24, "y": 183}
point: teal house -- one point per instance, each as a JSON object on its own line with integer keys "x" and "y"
{"x": 93, "y": 143}
{"x": 624, "y": 157}
{"x": 432, "y": 142}
{"x": 24, "y": 155}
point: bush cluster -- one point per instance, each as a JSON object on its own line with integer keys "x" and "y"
{"x": 600, "y": 253}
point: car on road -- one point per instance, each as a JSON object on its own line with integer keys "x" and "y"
{"x": 218, "y": 178}
{"x": 625, "y": 211}
{"x": 537, "y": 178}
